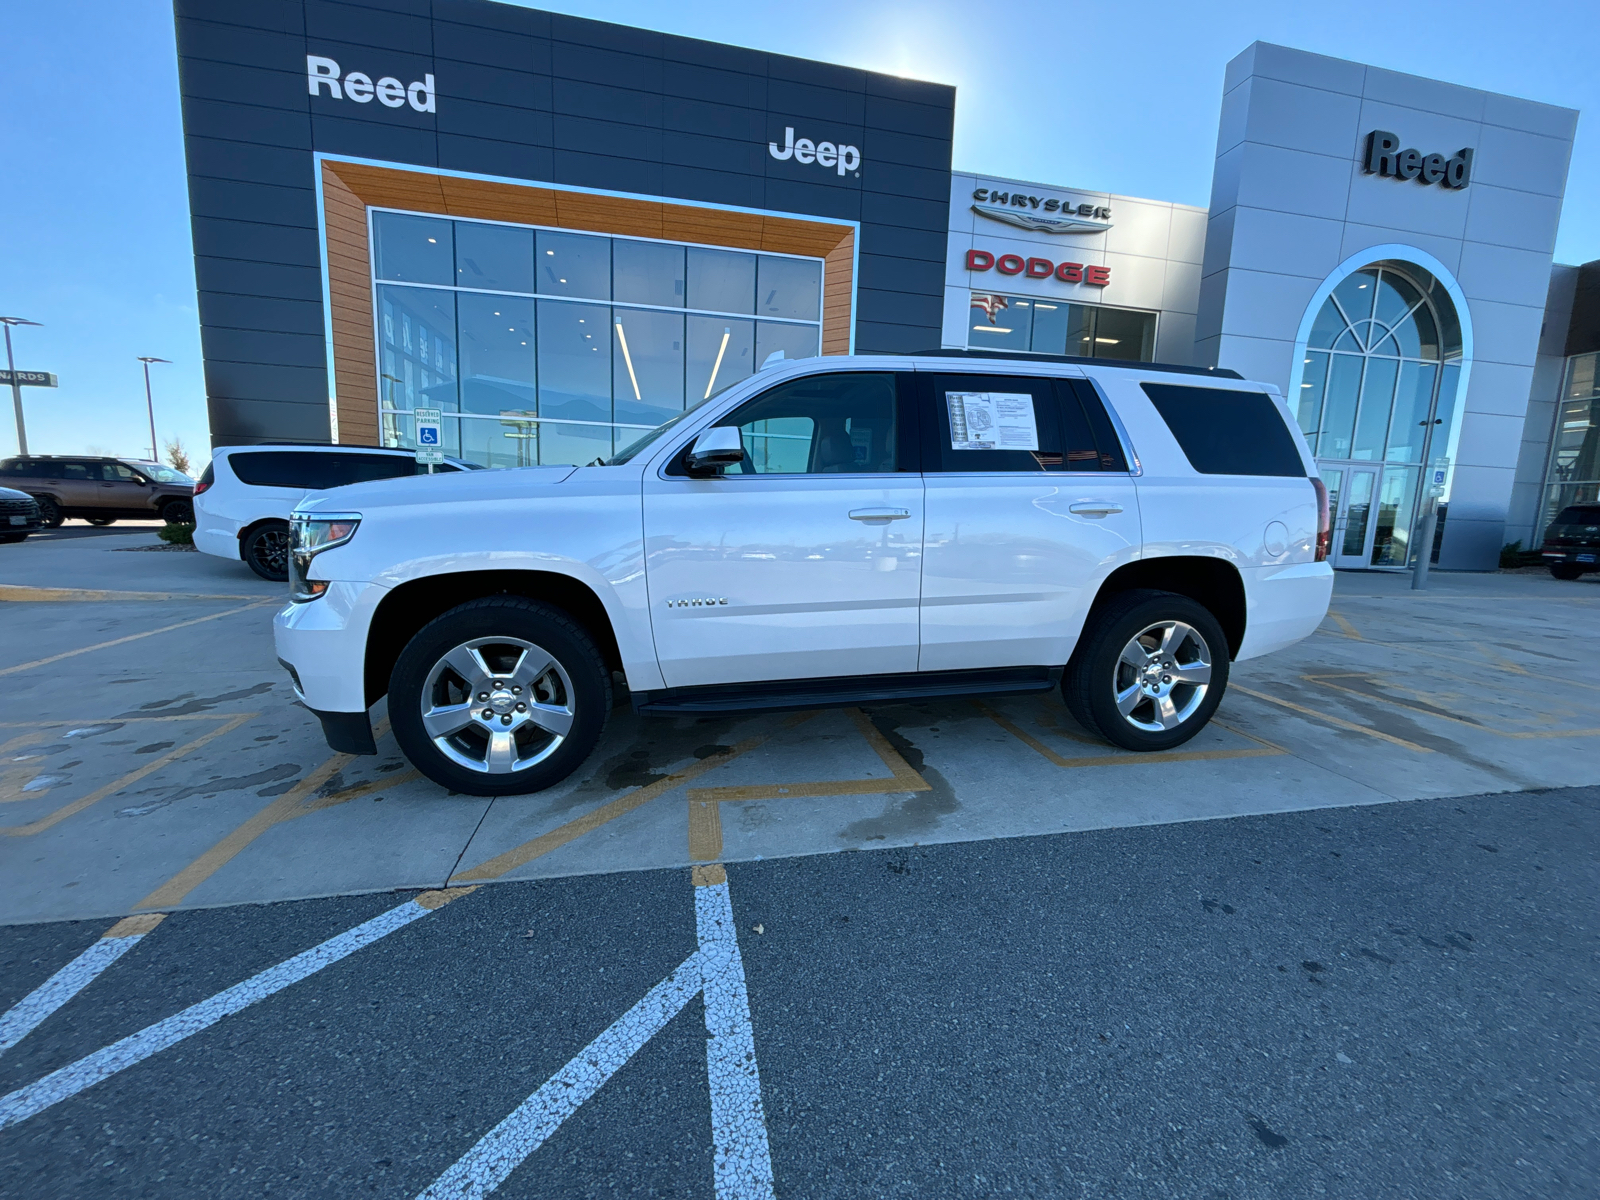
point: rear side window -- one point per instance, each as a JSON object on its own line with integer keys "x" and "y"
{"x": 989, "y": 423}
{"x": 298, "y": 469}
{"x": 1225, "y": 432}
{"x": 16, "y": 466}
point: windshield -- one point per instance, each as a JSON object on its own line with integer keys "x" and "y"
{"x": 1578, "y": 515}
{"x": 160, "y": 473}
{"x": 616, "y": 460}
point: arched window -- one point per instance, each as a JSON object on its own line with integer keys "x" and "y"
{"x": 1378, "y": 391}
{"x": 1383, "y": 350}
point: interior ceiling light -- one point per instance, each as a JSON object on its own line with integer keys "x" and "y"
{"x": 992, "y": 328}
{"x": 435, "y": 242}
{"x": 1107, "y": 341}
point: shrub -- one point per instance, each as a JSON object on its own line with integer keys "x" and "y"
{"x": 176, "y": 535}
{"x": 1511, "y": 555}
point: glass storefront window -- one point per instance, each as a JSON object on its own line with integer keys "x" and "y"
{"x": 647, "y": 273}
{"x": 497, "y": 258}
{"x": 789, "y": 287}
{"x": 796, "y": 341}
{"x": 573, "y": 264}
{"x": 1573, "y": 476}
{"x": 543, "y": 346}
{"x": 721, "y": 281}
{"x": 497, "y": 353}
{"x": 720, "y": 353}
{"x": 417, "y": 348}
{"x": 1121, "y": 333}
{"x": 647, "y": 373}
{"x": 1024, "y": 325}
{"x": 413, "y": 249}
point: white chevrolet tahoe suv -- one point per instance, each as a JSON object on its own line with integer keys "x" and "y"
{"x": 829, "y": 531}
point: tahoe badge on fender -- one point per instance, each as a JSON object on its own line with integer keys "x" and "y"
{"x": 697, "y": 602}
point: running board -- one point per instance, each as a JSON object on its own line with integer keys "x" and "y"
{"x": 789, "y": 694}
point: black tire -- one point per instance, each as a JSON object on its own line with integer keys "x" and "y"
{"x": 1097, "y": 673}
{"x": 177, "y": 512}
{"x": 575, "y": 687}
{"x": 265, "y": 551}
{"x": 101, "y": 521}
{"x": 1566, "y": 570}
{"x": 49, "y": 512}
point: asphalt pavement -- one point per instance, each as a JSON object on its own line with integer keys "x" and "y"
{"x": 1382, "y": 1001}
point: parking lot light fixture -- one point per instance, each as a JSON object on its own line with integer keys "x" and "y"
{"x": 16, "y": 387}
{"x": 149, "y": 404}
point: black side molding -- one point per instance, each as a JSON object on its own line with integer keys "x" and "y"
{"x": 789, "y": 694}
{"x": 348, "y": 733}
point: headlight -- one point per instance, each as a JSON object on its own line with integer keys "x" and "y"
{"x": 309, "y": 535}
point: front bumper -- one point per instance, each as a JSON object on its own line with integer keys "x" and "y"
{"x": 323, "y": 643}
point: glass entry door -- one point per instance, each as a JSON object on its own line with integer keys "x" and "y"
{"x": 1350, "y": 496}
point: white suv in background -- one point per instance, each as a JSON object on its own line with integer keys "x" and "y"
{"x": 831, "y": 531}
{"x": 243, "y": 499}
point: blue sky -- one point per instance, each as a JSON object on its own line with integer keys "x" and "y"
{"x": 94, "y": 211}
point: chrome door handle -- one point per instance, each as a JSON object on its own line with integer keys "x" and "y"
{"x": 879, "y": 516}
{"x": 1094, "y": 508}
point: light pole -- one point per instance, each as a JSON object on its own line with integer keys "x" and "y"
{"x": 155, "y": 448}
{"x": 16, "y": 385}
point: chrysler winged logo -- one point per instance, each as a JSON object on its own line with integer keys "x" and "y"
{"x": 1046, "y": 215}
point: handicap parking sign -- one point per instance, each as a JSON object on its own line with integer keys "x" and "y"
{"x": 430, "y": 445}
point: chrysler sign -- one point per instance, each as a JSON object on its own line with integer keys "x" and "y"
{"x": 1044, "y": 214}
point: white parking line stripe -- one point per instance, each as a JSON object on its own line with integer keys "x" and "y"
{"x": 26, "y": 1015}
{"x": 742, "y": 1161}
{"x": 502, "y": 1150}
{"x": 135, "y": 1048}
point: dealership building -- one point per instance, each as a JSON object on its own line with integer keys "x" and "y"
{"x": 559, "y": 232}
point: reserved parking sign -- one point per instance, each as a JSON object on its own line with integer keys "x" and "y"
{"x": 430, "y": 441}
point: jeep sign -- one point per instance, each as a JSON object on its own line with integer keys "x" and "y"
{"x": 390, "y": 92}
{"x": 824, "y": 154}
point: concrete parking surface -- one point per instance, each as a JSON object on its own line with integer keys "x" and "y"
{"x": 1016, "y": 989}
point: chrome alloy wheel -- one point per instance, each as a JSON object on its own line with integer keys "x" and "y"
{"x": 1162, "y": 676}
{"x": 497, "y": 705}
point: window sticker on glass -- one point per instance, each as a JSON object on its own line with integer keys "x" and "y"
{"x": 992, "y": 421}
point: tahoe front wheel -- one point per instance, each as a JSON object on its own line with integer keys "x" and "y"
{"x": 499, "y": 697}
{"x": 1149, "y": 670}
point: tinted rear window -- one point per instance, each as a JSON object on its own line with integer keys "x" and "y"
{"x": 297, "y": 469}
{"x": 1578, "y": 515}
{"x": 1226, "y": 432}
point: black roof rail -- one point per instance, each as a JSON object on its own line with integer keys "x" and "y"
{"x": 1079, "y": 360}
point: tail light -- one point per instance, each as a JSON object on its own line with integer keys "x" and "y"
{"x": 1324, "y": 521}
{"x": 207, "y": 478}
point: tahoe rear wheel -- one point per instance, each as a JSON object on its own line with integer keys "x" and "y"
{"x": 1149, "y": 671}
{"x": 500, "y": 696}
{"x": 266, "y": 551}
{"x": 1565, "y": 570}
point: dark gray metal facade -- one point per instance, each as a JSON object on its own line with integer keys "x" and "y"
{"x": 531, "y": 95}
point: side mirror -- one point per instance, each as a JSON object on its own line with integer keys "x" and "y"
{"x": 718, "y": 447}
